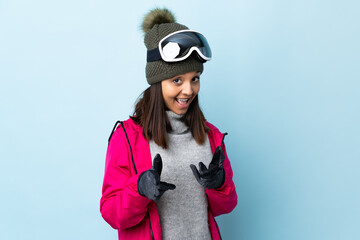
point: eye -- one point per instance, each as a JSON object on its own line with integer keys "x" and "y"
{"x": 196, "y": 79}
{"x": 177, "y": 80}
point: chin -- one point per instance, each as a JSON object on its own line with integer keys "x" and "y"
{"x": 180, "y": 111}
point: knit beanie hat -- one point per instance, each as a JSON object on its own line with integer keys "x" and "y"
{"x": 157, "y": 24}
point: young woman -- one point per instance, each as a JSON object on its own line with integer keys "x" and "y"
{"x": 152, "y": 188}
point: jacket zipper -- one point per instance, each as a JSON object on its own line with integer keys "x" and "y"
{"x": 152, "y": 234}
{"x": 218, "y": 229}
{"x": 217, "y": 226}
{"x": 223, "y": 138}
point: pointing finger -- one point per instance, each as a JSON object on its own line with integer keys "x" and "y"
{"x": 157, "y": 164}
{"x": 222, "y": 158}
{"x": 215, "y": 159}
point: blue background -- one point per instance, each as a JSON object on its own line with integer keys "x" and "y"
{"x": 284, "y": 82}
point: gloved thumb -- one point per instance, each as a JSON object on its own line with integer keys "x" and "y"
{"x": 164, "y": 186}
{"x": 195, "y": 172}
{"x": 157, "y": 164}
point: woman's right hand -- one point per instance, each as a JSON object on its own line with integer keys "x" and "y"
{"x": 149, "y": 184}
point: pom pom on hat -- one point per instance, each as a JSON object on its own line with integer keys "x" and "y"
{"x": 157, "y": 16}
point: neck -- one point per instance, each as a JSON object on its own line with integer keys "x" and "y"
{"x": 177, "y": 124}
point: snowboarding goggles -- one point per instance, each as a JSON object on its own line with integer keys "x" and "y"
{"x": 179, "y": 45}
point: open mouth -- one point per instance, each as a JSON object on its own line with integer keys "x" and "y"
{"x": 183, "y": 101}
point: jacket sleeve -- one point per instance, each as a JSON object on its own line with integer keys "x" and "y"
{"x": 121, "y": 205}
{"x": 224, "y": 199}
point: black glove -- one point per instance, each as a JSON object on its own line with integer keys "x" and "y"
{"x": 149, "y": 184}
{"x": 214, "y": 177}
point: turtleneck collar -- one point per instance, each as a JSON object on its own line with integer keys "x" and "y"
{"x": 177, "y": 125}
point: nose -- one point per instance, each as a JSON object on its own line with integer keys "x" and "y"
{"x": 187, "y": 88}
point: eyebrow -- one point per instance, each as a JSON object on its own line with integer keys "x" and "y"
{"x": 181, "y": 74}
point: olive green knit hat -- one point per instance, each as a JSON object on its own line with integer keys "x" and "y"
{"x": 157, "y": 24}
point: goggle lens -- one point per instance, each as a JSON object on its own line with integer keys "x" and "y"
{"x": 178, "y": 45}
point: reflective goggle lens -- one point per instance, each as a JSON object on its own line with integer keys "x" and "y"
{"x": 181, "y": 44}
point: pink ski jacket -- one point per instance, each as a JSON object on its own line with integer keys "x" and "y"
{"x": 134, "y": 216}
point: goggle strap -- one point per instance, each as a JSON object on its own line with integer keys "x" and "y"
{"x": 153, "y": 55}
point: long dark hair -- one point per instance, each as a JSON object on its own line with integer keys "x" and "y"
{"x": 150, "y": 113}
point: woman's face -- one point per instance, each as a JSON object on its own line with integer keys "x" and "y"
{"x": 178, "y": 92}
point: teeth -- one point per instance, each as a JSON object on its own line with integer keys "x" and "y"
{"x": 183, "y": 100}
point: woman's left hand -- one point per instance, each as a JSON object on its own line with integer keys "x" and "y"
{"x": 214, "y": 176}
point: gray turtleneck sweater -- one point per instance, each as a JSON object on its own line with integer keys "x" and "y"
{"x": 183, "y": 211}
